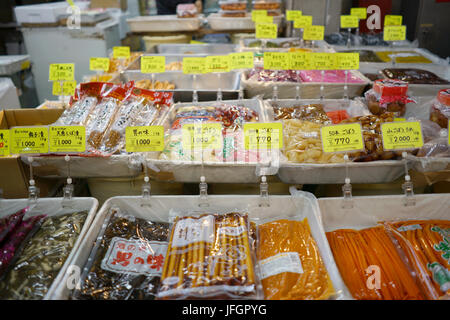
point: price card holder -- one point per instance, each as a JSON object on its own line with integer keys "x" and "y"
{"x": 4, "y": 143}
{"x": 67, "y": 139}
{"x": 266, "y": 30}
{"x": 29, "y": 140}
{"x": 342, "y": 138}
{"x": 276, "y": 61}
{"x": 393, "y": 20}
{"x": 402, "y": 135}
{"x": 121, "y": 52}
{"x": 144, "y": 139}
{"x": 242, "y": 60}
{"x": 201, "y": 136}
{"x": 263, "y": 136}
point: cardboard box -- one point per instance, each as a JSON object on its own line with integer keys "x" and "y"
{"x": 120, "y": 4}
{"x": 14, "y": 174}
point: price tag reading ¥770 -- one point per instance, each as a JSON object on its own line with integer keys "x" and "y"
{"x": 29, "y": 140}
{"x": 303, "y": 22}
{"x": 4, "y": 143}
{"x": 300, "y": 61}
{"x": 144, "y": 139}
{"x": 342, "y": 138}
{"x": 348, "y": 22}
{"x": 193, "y": 65}
{"x": 153, "y": 64}
{"x": 323, "y": 61}
{"x": 67, "y": 138}
{"x": 121, "y": 52}
{"x": 347, "y": 60}
{"x": 218, "y": 63}
{"x": 276, "y": 60}
{"x": 258, "y": 136}
{"x": 201, "y": 136}
{"x": 392, "y": 20}
{"x": 292, "y": 15}
{"x": 394, "y": 33}
{"x": 61, "y": 72}
{"x": 361, "y": 13}
{"x": 401, "y": 135}
{"x": 99, "y": 64}
{"x": 266, "y": 30}
{"x": 242, "y": 60}
{"x": 67, "y": 88}
{"x": 313, "y": 33}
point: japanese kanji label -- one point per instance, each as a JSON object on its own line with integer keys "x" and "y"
{"x": 189, "y": 231}
{"x": 202, "y": 136}
{"x": 347, "y": 60}
{"x": 342, "y": 138}
{"x": 292, "y": 15}
{"x": 266, "y": 31}
{"x": 241, "y": 60}
{"x": 101, "y": 64}
{"x": 361, "y": 13}
{"x": 265, "y": 136}
{"x": 61, "y": 72}
{"x": 153, "y": 64}
{"x": 4, "y": 143}
{"x": 121, "y": 52}
{"x": 258, "y": 13}
{"x": 323, "y": 60}
{"x": 349, "y": 21}
{"x": 29, "y": 140}
{"x": 144, "y": 138}
{"x": 394, "y": 33}
{"x": 402, "y": 135}
{"x": 218, "y": 63}
{"x": 65, "y": 88}
{"x": 392, "y": 20}
{"x": 276, "y": 60}
{"x": 300, "y": 61}
{"x": 303, "y": 22}
{"x": 67, "y": 139}
{"x": 194, "y": 65}
{"x": 314, "y": 33}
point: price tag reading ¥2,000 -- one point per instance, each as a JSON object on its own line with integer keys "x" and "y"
{"x": 242, "y": 60}
{"x": 67, "y": 88}
{"x": 361, "y": 13}
{"x": 193, "y": 65}
{"x": 323, "y": 61}
{"x": 303, "y": 22}
{"x": 258, "y": 13}
{"x": 29, "y": 140}
{"x": 348, "y": 22}
{"x": 300, "y": 61}
{"x": 347, "y": 60}
{"x": 121, "y": 52}
{"x": 342, "y": 138}
{"x": 67, "y": 138}
{"x": 200, "y": 136}
{"x": 264, "y": 136}
{"x": 144, "y": 139}
{"x": 394, "y": 33}
{"x": 313, "y": 33}
{"x": 276, "y": 60}
{"x": 393, "y": 20}
{"x": 61, "y": 72}
{"x": 401, "y": 135}
{"x": 4, "y": 143}
{"x": 99, "y": 64}
{"x": 218, "y": 63}
{"x": 153, "y": 64}
{"x": 266, "y": 30}
{"x": 292, "y": 15}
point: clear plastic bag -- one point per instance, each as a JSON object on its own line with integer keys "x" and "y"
{"x": 440, "y": 109}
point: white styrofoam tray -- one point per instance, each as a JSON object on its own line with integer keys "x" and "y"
{"x": 163, "y": 23}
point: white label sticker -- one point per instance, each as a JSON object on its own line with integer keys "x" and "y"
{"x": 282, "y": 262}
{"x": 191, "y": 230}
{"x": 411, "y": 227}
{"x": 231, "y": 231}
{"x": 135, "y": 256}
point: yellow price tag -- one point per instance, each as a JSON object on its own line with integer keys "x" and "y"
{"x": 303, "y": 22}
{"x": 194, "y": 65}
{"x": 258, "y": 13}
{"x": 4, "y": 143}
{"x": 349, "y": 21}
{"x": 292, "y": 15}
{"x": 202, "y": 136}
{"x": 153, "y": 64}
{"x": 394, "y": 33}
{"x": 265, "y": 136}
{"x": 61, "y": 71}
{"x": 399, "y": 119}
{"x": 25, "y": 65}
{"x": 144, "y": 139}
{"x": 121, "y": 52}
{"x": 196, "y": 42}
{"x": 342, "y": 138}
{"x": 323, "y": 61}
{"x": 401, "y": 135}
{"x": 266, "y": 31}
{"x": 276, "y": 60}
{"x": 264, "y": 19}
{"x": 67, "y": 139}
{"x": 300, "y": 61}
{"x": 347, "y": 60}
{"x": 313, "y": 33}
{"x": 218, "y": 63}
{"x": 361, "y": 13}
{"x": 67, "y": 88}
{"x": 101, "y": 64}
{"x": 242, "y": 60}
{"x": 392, "y": 20}
{"x": 29, "y": 140}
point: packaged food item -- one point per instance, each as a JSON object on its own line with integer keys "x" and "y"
{"x": 266, "y": 4}
{"x": 365, "y": 55}
{"x": 388, "y": 96}
{"x": 42, "y": 257}
{"x": 364, "y": 254}
{"x": 440, "y": 110}
{"x": 233, "y": 5}
{"x": 258, "y": 44}
{"x": 127, "y": 261}
{"x": 8, "y": 223}
{"x": 402, "y": 57}
{"x": 291, "y": 266}
{"x": 186, "y": 10}
{"x": 260, "y": 74}
{"x": 437, "y": 147}
{"x": 413, "y": 76}
{"x": 157, "y": 85}
{"x": 233, "y": 13}
{"x": 117, "y": 65}
{"x": 174, "y": 66}
{"x": 330, "y": 76}
{"x": 337, "y": 116}
{"x": 425, "y": 245}
{"x": 209, "y": 256}
{"x": 312, "y": 112}
{"x": 341, "y": 38}
{"x": 373, "y": 76}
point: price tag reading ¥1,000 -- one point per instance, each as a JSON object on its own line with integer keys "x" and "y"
{"x": 342, "y": 138}
{"x": 303, "y": 22}
{"x": 323, "y": 61}
{"x": 29, "y": 140}
{"x": 201, "y": 136}
{"x": 67, "y": 138}
{"x": 218, "y": 63}
{"x": 99, "y": 64}
{"x": 348, "y": 22}
{"x": 266, "y": 30}
{"x": 392, "y": 20}
{"x": 67, "y": 89}
{"x": 347, "y": 60}
{"x": 361, "y": 13}
{"x": 121, "y": 52}
{"x": 153, "y": 64}
{"x": 292, "y": 15}
{"x": 242, "y": 60}
{"x": 313, "y": 33}
{"x": 276, "y": 60}
{"x": 193, "y": 65}
{"x": 394, "y": 33}
{"x": 258, "y": 136}
{"x": 4, "y": 143}
{"x": 61, "y": 72}
{"x": 144, "y": 139}
{"x": 258, "y": 13}
{"x": 401, "y": 135}
{"x": 300, "y": 61}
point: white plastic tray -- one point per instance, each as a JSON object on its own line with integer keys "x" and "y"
{"x": 236, "y": 23}
{"x": 163, "y": 23}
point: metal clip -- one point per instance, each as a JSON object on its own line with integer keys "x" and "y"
{"x": 407, "y": 186}
{"x": 321, "y": 86}
{"x": 264, "y": 192}
{"x": 241, "y": 94}
{"x": 349, "y": 42}
{"x": 275, "y": 93}
{"x": 297, "y": 87}
{"x": 219, "y": 90}
{"x": 194, "y": 92}
{"x": 68, "y": 188}
{"x": 33, "y": 191}
{"x": 146, "y": 189}
{"x": 346, "y": 85}
{"x": 203, "y": 187}
{"x": 347, "y": 202}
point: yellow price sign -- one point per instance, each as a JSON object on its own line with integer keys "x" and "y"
{"x": 194, "y": 65}
{"x": 323, "y": 61}
{"x": 218, "y": 63}
{"x": 314, "y": 33}
{"x": 303, "y": 22}
{"x": 144, "y": 138}
{"x": 276, "y": 60}
{"x": 196, "y": 42}
{"x": 202, "y": 136}
{"x": 61, "y": 72}
{"x": 67, "y": 138}
{"x": 121, "y": 52}
{"x": 342, "y": 138}
{"x": 153, "y": 64}
{"x": 349, "y": 21}
{"x": 392, "y": 20}
{"x": 347, "y": 60}
{"x": 399, "y": 119}
{"x": 401, "y": 135}
{"x": 99, "y": 64}
{"x": 300, "y": 61}
{"x": 394, "y": 33}
{"x": 242, "y": 60}
{"x": 4, "y": 143}
{"x": 29, "y": 140}
{"x": 361, "y": 13}
{"x": 266, "y": 31}
{"x": 292, "y": 15}
{"x": 264, "y": 19}
{"x": 66, "y": 89}
{"x": 264, "y": 136}
{"x": 258, "y": 13}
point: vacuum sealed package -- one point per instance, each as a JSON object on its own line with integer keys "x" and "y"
{"x": 42, "y": 257}
{"x": 413, "y": 76}
{"x": 311, "y": 112}
{"x": 425, "y": 247}
{"x": 126, "y": 261}
{"x": 209, "y": 257}
{"x": 290, "y": 264}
